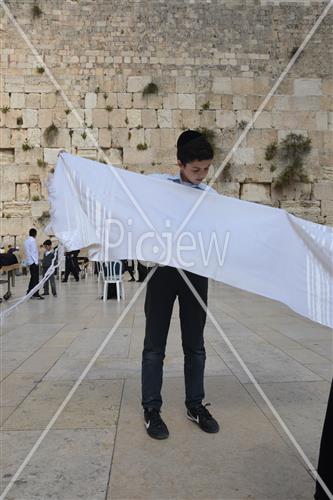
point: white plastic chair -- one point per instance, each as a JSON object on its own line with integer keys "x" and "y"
{"x": 112, "y": 273}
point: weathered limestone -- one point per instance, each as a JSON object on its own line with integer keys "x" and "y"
{"x": 218, "y": 89}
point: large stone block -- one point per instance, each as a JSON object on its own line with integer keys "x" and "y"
{"x": 100, "y": 118}
{"x": 264, "y": 120}
{"x": 29, "y": 157}
{"x": 137, "y": 136}
{"x": 230, "y": 189}
{"x": 155, "y": 101}
{"x": 327, "y": 207}
{"x": 191, "y": 118}
{"x": 75, "y": 118}
{"x": 256, "y": 192}
{"x": 185, "y": 85}
{"x": 164, "y": 117}
{"x": 38, "y": 207}
{"x": 48, "y": 100}
{"x": 208, "y": 119}
{"x": 17, "y": 100}
{"x": 45, "y": 117}
{"x": 243, "y": 86}
{"x": 170, "y": 101}
{"x": 137, "y": 83}
{"x": 51, "y": 155}
{"x": 293, "y": 192}
{"x": 139, "y": 158}
{"x": 124, "y": 100}
{"x": 222, "y": 85}
{"x": 139, "y": 101}
{"x": 323, "y": 191}
{"x": 134, "y": 117}
{"x": 119, "y": 137}
{"x": 34, "y": 136}
{"x": 177, "y": 119}
{"x": 85, "y": 138}
{"x": 243, "y": 156}
{"x": 106, "y": 99}
{"x": 225, "y": 119}
{"x": 104, "y": 138}
{"x": 17, "y": 208}
{"x": 306, "y": 209}
{"x": 22, "y": 191}
{"x": 307, "y": 86}
{"x": 117, "y": 118}
{"x": 149, "y": 118}
{"x": 32, "y": 101}
{"x": 153, "y": 138}
{"x": 186, "y": 101}
{"x": 90, "y": 100}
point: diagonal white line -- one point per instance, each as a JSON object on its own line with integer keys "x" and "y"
{"x": 266, "y": 399}
{"x": 74, "y": 388}
{"x": 79, "y": 119}
{"x": 257, "y": 114}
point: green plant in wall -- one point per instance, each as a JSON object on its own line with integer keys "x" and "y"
{"x": 109, "y": 108}
{"x": 19, "y": 121}
{"x": 270, "y": 151}
{"x": 242, "y": 124}
{"x": 206, "y": 105}
{"x": 40, "y": 69}
{"x": 290, "y": 153}
{"x": 36, "y": 11}
{"x": 5, "y": 109}
{"x": 35, "y": 197}
{"x": 71, "y": 132}
{"x": 50, "y": 133}
{"x": 84, "y": 135}
{"x": 26, "y": 146}
{"x": 151, "y": 88}
{"x": 142, "y": 147}
{"x": 67, "y": 111}
{"x": 41, "y": 163}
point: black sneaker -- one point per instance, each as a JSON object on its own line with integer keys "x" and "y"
{"x": 155, "y": 426}
{"x": 201, "y": 416}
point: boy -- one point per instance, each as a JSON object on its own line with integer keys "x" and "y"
{"x": 194, "y": 157}
{"x": 46, "y": 262}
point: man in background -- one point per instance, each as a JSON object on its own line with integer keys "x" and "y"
{"x": 31, "y": 256}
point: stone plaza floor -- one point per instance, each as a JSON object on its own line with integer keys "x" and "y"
{"x": 98, "y": 447}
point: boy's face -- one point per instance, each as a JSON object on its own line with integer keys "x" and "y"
{"x": 47, "y": 247}
{"x": 195, "y": 171}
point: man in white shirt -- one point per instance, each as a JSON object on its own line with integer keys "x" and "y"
{"x": 31, "y": 256}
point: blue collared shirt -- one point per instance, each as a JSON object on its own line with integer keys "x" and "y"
{"x": 177, "y": 178}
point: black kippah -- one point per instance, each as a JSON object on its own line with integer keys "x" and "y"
{"x": 186, "y": 137}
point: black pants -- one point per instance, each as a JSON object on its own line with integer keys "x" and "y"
{"x": 326, "y": 452}
{"x": 34, "y": 278}
{"x": 162, "y": 289}
{"x": 71, "y": 266}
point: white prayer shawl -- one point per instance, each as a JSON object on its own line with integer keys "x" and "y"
{"x": 118, "y": 214}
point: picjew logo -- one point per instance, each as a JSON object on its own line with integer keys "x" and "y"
{"x": 165, "y": 247}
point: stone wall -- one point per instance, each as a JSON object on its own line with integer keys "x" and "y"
{"x": 213, "y": 62}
